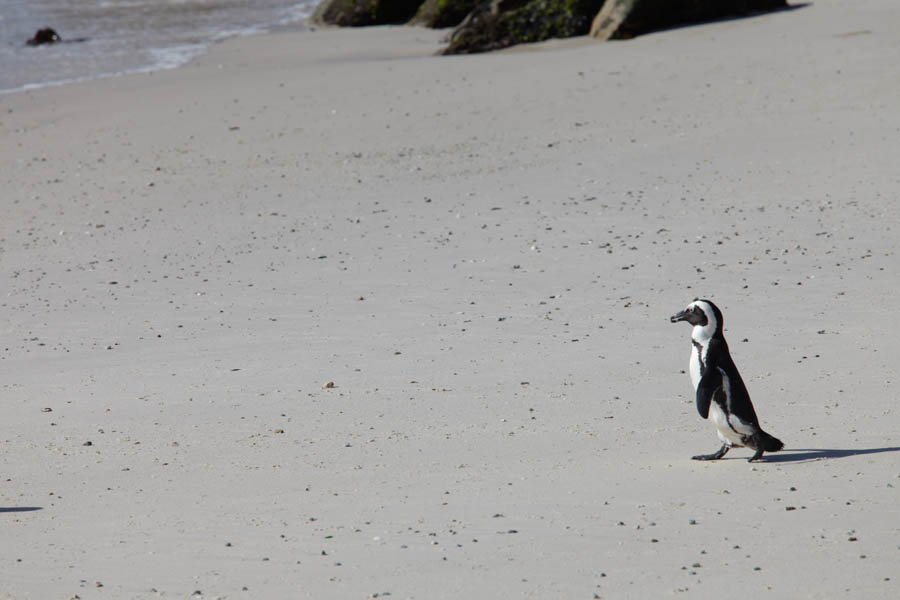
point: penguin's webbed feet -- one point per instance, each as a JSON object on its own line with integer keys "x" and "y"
{"x": 757, "y": 442}
{"x": 715, "y": 455}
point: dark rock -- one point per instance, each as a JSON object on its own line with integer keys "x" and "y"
{"x": 623, "y": 19}
{"x": 359, "y": 13}
{"x": 44, "y": 36}
{"x": 443, "y": 13}
{"x": 495, "y": 24}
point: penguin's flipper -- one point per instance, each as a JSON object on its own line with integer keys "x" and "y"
{"x": 707, "y": 386}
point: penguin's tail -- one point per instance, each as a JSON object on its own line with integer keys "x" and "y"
{"x": 770, "y": 443}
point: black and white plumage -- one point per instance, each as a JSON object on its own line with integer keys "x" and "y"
{"x": 721, "y": 393}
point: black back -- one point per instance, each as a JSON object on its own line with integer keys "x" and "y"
{"x": 718, "y": 356}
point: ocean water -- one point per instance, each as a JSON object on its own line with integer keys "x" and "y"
{"x": 111, "y": 37}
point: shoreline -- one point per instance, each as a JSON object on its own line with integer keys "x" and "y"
{"x": 160, "y": 58}
{"x": 481, "y": 253}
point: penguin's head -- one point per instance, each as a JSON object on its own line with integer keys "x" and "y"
{"x": 703, "y": 314}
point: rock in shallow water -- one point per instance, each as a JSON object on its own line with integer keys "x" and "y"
{"x": 443, "y": 13}
{"x": 44, "y": 35}
{"x": 359, "y": 13}
{"x": 496, "y": 24}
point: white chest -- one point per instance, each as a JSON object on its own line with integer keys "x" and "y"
{"x": 695, "y": 366}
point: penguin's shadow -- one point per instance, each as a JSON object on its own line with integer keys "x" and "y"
{"x": 811, "y": 454}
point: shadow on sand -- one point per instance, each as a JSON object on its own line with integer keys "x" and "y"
{"x": 11, "y": 509}
{"x": 810, "y": 454}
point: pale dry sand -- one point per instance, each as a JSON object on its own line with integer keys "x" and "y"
{"x": 481, "y": 253}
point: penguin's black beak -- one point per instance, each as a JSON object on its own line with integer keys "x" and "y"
{"x": 682, "y": 316}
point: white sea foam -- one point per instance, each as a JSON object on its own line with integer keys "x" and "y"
{"x": 174, "y": 56}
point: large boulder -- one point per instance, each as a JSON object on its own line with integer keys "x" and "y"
{"x": 359, "y": 13}
{"x": 622, "y": 19}
{"x": 495, "y": 24}
{"x": 443, "y": 13}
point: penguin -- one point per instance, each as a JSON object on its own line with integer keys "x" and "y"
{"x": 721, "y": 393}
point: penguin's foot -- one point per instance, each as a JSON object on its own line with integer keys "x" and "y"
{"x": 756, "y": 456}
{"x": 761, "y": 442}
{"x": 715, "y": 455}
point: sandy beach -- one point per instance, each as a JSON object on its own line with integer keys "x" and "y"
{"x": 324, "y": 315}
